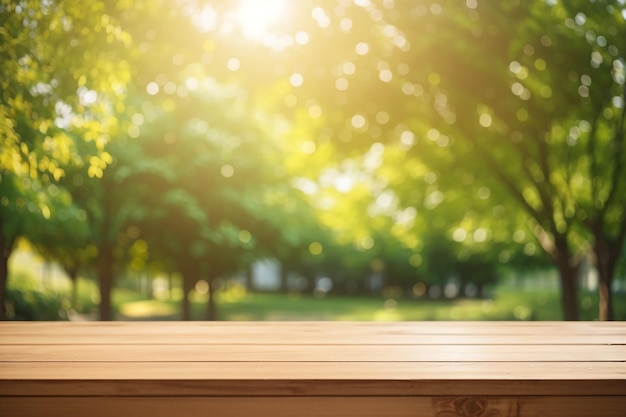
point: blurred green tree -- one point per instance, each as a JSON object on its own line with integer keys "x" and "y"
{"x": 525, "y": 100}
{"x": 541, "y": 116}
{"x": 220, "y": 211}
{"x": 49, "y": 88}
{"x": 403, "y": 121}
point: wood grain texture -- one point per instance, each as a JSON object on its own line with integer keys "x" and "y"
{"x": 316, "y": 406}
{"x": 313, "y": 339}
{"x": 325, "y": 333}
{"x": 466, "y": 372}
{"x": 308, "y": 387}
{"x": 475, "y": 369}
{"x": 313, "y": 353}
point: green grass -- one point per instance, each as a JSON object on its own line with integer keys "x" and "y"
{"x": 507, "y": 303}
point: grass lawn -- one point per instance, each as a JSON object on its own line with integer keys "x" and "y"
{"x": 506, "y": 304}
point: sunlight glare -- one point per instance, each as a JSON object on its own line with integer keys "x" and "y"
{"x": 255, "y": 17}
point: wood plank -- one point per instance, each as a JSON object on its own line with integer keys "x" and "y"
{"x": 415, "y": 371}
{"x": 310, "y": 338}
{"x": 415, "y": 328}
{"x": 578, "y": 406}
{"x": 312, "y": 353}
{"x": 307, "y": 333}
{"x": 315, "y": 387}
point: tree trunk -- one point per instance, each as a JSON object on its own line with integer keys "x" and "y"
{"x": 250, "y": 277}
{"x": 310, "y": 281}
{"x": 105, "y": 278}
{"x": 284, "y": 277}
{"x": 568, "y": 275}
{"x": 480, "y": 290}
{"x": 6, "y": 248}
{"x": 212, "y": 306}
{"x": 605, "y": 264}
{"x": 72, "y": 273}
{"x": 4, "y": 277}
{"x": 187, "y": 287}
{"x": 605, "y": 295}
{"x": 149, "y": 282}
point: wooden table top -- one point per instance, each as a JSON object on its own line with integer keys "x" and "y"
{"x": 312, "y": 358}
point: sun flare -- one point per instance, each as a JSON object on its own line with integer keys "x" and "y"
{"x": 255, "y": 17}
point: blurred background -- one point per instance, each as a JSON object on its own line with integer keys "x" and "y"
{"x": 312, "y": 160}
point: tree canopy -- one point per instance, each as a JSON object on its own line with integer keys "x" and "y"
{"x": 425, "y": 139}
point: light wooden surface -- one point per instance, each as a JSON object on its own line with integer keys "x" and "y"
{"x": 441, "y": 369}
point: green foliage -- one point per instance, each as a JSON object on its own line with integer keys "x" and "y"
{"x": 424, "y": 141}
{"x": 26, "y": 301}
{"x": 494, "y": 120}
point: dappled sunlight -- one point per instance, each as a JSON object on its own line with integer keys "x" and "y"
{"x": 198, "y": 152}
{"x": 148, "y": 309}
{"x": 233, "y": 293}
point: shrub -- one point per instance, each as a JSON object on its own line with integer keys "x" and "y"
{"x": 25, "y": 301}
